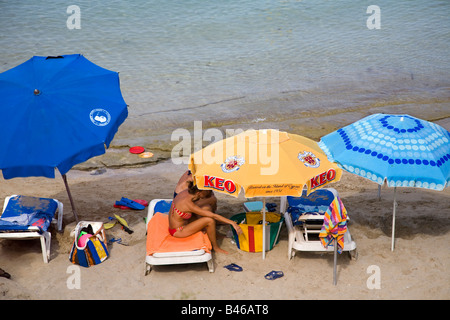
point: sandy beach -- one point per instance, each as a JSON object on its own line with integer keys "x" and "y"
{"x": 417, "y": 269}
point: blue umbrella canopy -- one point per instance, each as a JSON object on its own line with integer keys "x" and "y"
{"x": 403, "y": 150}
{"x": 56, "y": 112}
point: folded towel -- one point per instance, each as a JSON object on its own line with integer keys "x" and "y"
{"x": 21, "y": 219}
{"x": 159, "y": 239}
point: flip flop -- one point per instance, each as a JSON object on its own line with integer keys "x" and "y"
{"x": 109, "y": 225}
{"x": 233, "y": 267}
{"x": 119, "y": 241}
{"x": 130, "y": 203}
{"x": 141, "y": 201}
{"x": 272, "y": 275}
{"x": 124, "y": 224}
{"x": 121, "y": 205}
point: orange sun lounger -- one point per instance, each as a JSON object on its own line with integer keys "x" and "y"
{"x": 163, "y": 249}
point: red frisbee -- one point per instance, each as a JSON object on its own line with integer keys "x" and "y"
{"x": 137, "y": 149}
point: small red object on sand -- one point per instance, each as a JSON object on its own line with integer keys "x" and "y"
{"x": 137, "y": 149}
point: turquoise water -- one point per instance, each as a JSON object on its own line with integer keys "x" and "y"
{"x": 222, "y": 61}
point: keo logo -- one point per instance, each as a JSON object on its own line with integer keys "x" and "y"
{"x": 220, "y": 184}
{"x": 309, "y": 159}
{"x": 322, "y": 178}
{"x": 232, "y": 164}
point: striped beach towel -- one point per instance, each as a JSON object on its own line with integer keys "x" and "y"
{"x": 334, "y": 224}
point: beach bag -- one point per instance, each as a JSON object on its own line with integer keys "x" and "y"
{"x": 95, "y": 250}
{"x": 252, "y": 230}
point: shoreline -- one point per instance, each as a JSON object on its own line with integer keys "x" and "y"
{"x": 310, "y": 124}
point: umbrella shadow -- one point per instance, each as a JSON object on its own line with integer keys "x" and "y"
{"x": 419, "y": 212}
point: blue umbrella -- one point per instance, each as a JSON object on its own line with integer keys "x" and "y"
{"x": 56, "y": 112}
{"x": 402, "y": 150}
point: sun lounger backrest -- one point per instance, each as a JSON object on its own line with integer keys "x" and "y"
{"x": 317, "y": 201}
{"x": 162, "y": 206}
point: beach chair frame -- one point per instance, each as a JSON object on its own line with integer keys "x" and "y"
{"x": 304, "y": 237}
{"x": 34, "y": 232}
{"x": 168, "y": 258}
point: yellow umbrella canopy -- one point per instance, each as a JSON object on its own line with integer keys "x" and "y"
{"x": 264, "y": 163}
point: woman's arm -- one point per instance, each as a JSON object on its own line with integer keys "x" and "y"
{"x": 206, "y": 213}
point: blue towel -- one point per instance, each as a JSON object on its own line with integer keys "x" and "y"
{"x": 23, "y": 212}
{"x": 316, "y": 203}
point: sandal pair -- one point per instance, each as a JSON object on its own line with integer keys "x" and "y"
{"x": 272, "y": 275}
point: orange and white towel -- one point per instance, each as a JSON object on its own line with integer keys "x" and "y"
{"x": 159, "y": 239}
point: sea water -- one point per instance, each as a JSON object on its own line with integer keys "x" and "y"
{"x": 244, "y": 63}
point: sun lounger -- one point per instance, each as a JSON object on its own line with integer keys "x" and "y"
{"x": 25, "y": 217}
{"x": 304, "y": 218}
{"x": 163, "y": 249}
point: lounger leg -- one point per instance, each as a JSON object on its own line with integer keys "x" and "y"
{"x": 291, "y": 235}
{"x": 210, "y": 265}
{"x": 148, "y": 268}
{"x": 45, "y": 246}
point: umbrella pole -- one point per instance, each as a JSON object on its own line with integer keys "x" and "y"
{"x": 264, "y": 229}
{"x": 335, "y": 261}
{"x": 70, "y": 197}
{"x": 393, "y": 219}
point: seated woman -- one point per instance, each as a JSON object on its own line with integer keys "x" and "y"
{"x": 208, "y": 203}
{"x": 186, "y": 217}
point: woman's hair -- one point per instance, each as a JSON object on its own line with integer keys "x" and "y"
{"x": 193, "y": 189}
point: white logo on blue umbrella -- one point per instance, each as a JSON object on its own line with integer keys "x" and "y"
{"x": 100, "y": 117}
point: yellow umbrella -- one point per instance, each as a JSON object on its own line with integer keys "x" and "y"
{"x": 263, "y": 163}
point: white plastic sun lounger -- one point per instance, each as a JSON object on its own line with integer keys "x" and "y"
{"x": 168, "y": 258}
{"x": 304, "y": 231}
{"x": 26, "y": 217}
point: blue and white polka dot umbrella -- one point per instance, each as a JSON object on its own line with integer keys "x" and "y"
{"x": 402, "y": 150}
